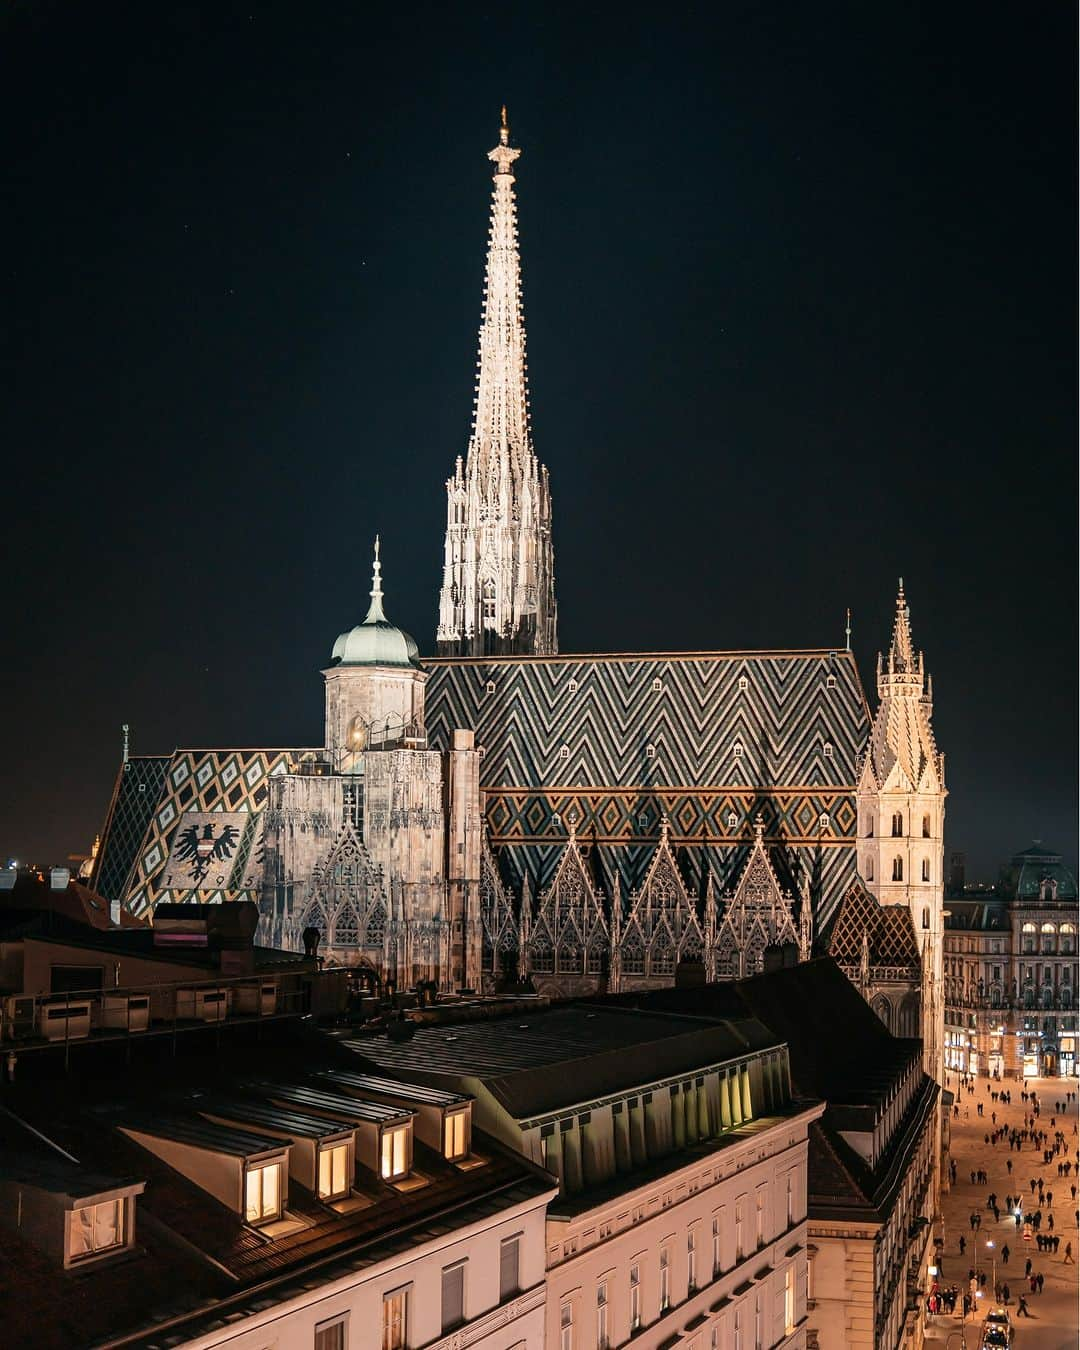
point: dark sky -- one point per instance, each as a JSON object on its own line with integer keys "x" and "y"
{"x": 800, "y": 287}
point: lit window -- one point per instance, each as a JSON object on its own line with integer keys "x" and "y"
{"x": 334, "y": 1178}
{"x": 262, "y": 1193}
{"x": 395, "y": 1316}
{"x": 823, "y": 821}
{"x": 566, "y": 1327}
{"x": 395, "y": 1153}
{"x": 455, "y": 1135}
{"x": 333, "y": 1335}
{"x": 789, "y": 1300}
{"x": 96, "y": 1229}
{"x": 509, "y": 1277}
{"x": 732, "y": 820}
{"x": 453, "y": 1296}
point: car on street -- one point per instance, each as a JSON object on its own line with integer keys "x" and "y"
{"x": 997, "y": 1330}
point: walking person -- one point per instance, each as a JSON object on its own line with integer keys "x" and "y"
{"x": 1005, "y": 1255}
{"x": 1022, "y": 1307}
{"x": 1068, "y": 1255}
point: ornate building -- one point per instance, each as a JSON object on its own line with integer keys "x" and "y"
{"x": 1011, "y": 971}
{"x": 498, "y": 589}
{"x": 500, "y": 813}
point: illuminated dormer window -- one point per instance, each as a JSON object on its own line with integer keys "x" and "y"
{"x": 732, "y": 820}
{"x": 489, "y": 687}
{"x": 657, "y": 686}
{"x": 263, "y": 1200}
{"x": 456, "y": 1135}
{"x": 564, "y": 752}
{"x": 736, "y": 750}
{"x": 335, "y": 1171}
{"x": 96, "y": 1230}
{"x": 744, "y": 683}
{"x": 395, "y": 1156}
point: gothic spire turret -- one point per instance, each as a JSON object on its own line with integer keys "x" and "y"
{"x": 498, "y": 592}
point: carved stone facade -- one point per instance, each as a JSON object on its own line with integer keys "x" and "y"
{"x": 498, "y": 589}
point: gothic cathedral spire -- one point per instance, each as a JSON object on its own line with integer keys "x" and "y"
{"x": 901, "y": 814}
{"x": 498, "y": 589}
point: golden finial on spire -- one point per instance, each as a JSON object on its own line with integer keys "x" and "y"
{"x": 504, "y": 126}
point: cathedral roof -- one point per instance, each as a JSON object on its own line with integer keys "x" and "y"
{"x": 376, "y": 642}
{"x": 888, "y": 929}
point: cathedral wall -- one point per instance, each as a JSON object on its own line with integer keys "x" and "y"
{"x": 379, "y": 699}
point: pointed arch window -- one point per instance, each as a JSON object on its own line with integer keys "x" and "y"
{"x": 489, "y": 600}
{"x": 898, "y": 869}
{"x": 897, "y": 824}
{"x": 926, "y": 869}
{"x": 869, "y": 869}
{"x": 926, "y": 827}
{"x": 926, "y": 916}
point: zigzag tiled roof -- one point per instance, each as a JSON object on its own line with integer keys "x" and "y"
{"x": 889, "y": 928}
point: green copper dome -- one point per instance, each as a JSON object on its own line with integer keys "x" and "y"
{"x": 376, "y": 642}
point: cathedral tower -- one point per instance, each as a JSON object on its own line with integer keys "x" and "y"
{"x": 901, "y": 816}
{"x": 498, "y": 589}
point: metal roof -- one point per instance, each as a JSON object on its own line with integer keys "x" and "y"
{"x": 200, "y": 1133}
{"x": 273, "y": 1117}
{"x": 349, "y": 1107}
{"x": 391, "y": 1087}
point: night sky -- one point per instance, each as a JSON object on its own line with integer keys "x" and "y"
{"x": 800, "y": 289}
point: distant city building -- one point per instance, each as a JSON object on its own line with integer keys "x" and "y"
{"x": 1011, "y": 971}
{"x": 501, "y": 816}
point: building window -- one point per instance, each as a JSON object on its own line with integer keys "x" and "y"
{"x": 740, "y": 1220}
{"x": 572, "y": 686}
{"x": 564, "y": 752}
{"x": 566, "y": 1327}
{"x": 453, "y": 1297}
{"x": 736, "y": 750}
{"x": 898, "y": 869}
{"x": 757, "y": 1323}
{"x": 897, "y": 824}
{"x": 262, "y": 1193}
{"x": 732, "y": 820}
{"x": 456, "y": 1136}
{"x": 830, "y": 681}
{"x": 926, "y": 916}
{"x": 656, "y": 686}
{"x": 869, "y": 869}
{"x": 738, "y": 1344}
{"x": 665, "y": 1279}
{"x": 826, "y": 750}
{"x": 744, "y": 683}
{"x": 395, "y": 1153}
{"x": 926, "y": 827}
{"x": 334, "y": 1179}
{"x": 691, "y": 1260}
{"x": 635, "y": 1298}
{"x": 509, "y": 1256}
{"x": 643, "y": 819}
{"x": 481, "y": 752}
{"x": 790, "y": 1202}
{"x": 789, "y": 1301}
{"x": 489, "y": 600}
{"x": 716, "y": 1247}
{"x": 602, "y": 1339}
{"x": 650, "y": 752}
{"x": 395, "y": 1318}
{"x": 489, "y": 687}
{"x": 96, "y": 1229}
{"x": 759, "y": 1219}
{"x": 333, "y": 1335}
{"x": 823, "y": 821}
{"x": 926, "y": 869}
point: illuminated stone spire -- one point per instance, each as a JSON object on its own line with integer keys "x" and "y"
{"x": 498, "y": 591}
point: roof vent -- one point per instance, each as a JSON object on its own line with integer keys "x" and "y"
{"x": 523, "y": 1026}
{"x": 451, "y": 1038}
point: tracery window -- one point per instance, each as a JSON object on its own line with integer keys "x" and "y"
{"x": 633, "y": 955}
{"x": 897, "y": 824}
{"x": 926, "y": 869}
{"x": 898, "y": 869}
{"x": 346, "y": 927}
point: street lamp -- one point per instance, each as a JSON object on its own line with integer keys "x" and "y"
{"x": 992, "y": 1247}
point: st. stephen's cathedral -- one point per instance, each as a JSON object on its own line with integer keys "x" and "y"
{"x": 500, "y": 815}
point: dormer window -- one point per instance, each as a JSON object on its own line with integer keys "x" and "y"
{"x": 744, "y": 683}
{"x": 456, "y": 1135}
{"x": 736, "y": 750}
{"x": 564, "y": 752}
{"x": 335, "y": 1172}
{"x": 826, "y": 750}
{"x": 262, "y": 1193}
{"x": 572, "y": 686}
{"x": 657, "y": 686}
{"x": 395, "y": 1159}
{"x": 650, "y": 752}
{"x": 830, "y": 681}
{"x": 732, "y": 820}
{"x": 489, "y": 688}
{"x": 97, "y": 1229}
